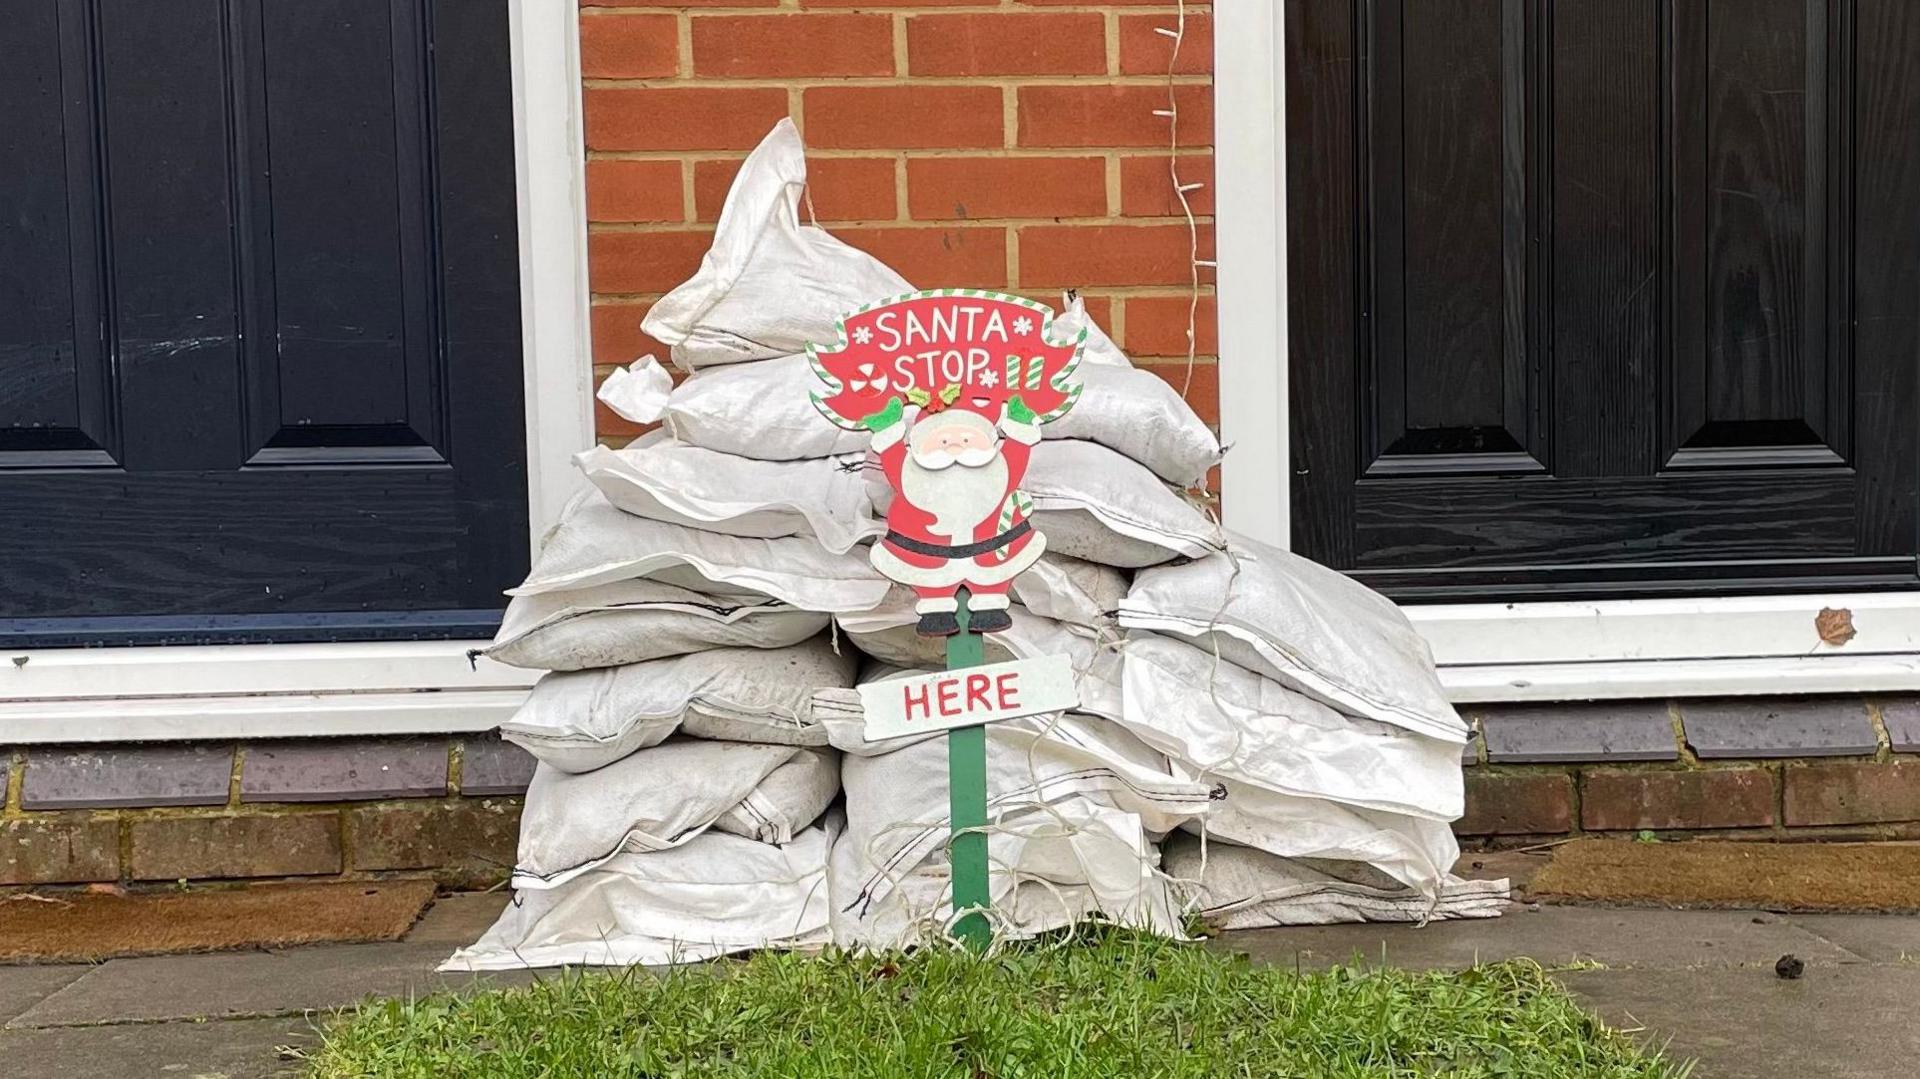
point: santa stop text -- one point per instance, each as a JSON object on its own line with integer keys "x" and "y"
{"x": 944, "y": 346}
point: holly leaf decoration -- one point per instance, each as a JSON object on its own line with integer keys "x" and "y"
{"x": 949, "y": 393}
{"x": 918, "y": 396}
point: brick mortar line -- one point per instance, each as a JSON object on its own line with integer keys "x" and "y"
{"x": 123, "y": 844}
{"x": 980, "y": 153}
{"x": 236, "y": 767}
{"x": 14, "y": 780}
{"x": 1680, "y": 746}
{"x": 682, "y": 43}
{"x": 1110, "y": 27}
{"x": 598, "y": 11}
{"x": 889, "y": 82}
{"x": 683, "y": 228}
{"x": 689, "y": 204}
{"x": 456, "y": 766}
{"x": 901, "y": 209}
{"x": 1777, "y": 775}
{"x": 349, "y": 860}
{"x": 1577, "y": 801}
{"x": 1882, "y": 737}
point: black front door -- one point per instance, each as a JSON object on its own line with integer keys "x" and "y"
{"x": 260, "y": 373}
{"x": 1605, "y": 297}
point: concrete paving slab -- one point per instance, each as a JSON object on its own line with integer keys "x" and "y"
{"x": 243, "y": 984}
{"x": 240, "y": 1049}
{"x": 458, "y": 920}
{"x": 1876, "y": 938}
{"x": 23, "y": 987}
{"x": 1555, "y": 936}
{"x": 1850, "y": 1022}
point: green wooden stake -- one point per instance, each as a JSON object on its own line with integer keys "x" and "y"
{"x": 967, "y": 799}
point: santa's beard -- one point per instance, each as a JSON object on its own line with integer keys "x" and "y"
{"x": 959, "y": 495}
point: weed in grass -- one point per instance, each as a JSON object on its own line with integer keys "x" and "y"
{"x": 1089, "y": 1004}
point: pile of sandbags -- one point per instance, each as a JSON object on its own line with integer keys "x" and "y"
{"x": 1259, "y": 739}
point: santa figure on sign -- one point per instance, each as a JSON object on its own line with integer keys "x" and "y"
{"x": 953, "y": 386}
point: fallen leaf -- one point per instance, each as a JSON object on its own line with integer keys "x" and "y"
{"x": 1834, "y": 625}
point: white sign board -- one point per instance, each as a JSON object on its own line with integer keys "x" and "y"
{"x": 968, "y": 696}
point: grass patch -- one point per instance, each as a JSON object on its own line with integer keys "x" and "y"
{"x": 1100, "y": 1004}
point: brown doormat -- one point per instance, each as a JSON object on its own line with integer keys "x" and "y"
{"x": 87, "y": 927}
{"x": 1770, "y": 876}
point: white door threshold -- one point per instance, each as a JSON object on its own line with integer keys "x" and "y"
{"x": 249, "y": 718}
{"x": 235, "y": 669}
{"x": 1626, "y": 679}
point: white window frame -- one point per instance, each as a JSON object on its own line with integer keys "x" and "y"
{"x": 287, "y": 690}
{"x": 1760, "y": 644}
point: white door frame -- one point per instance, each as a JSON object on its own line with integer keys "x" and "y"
{"x": 285, "y": 690}
{"x": 1494, "y": 651}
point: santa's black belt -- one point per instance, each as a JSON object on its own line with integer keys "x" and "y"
{"x": 964, "y": 550}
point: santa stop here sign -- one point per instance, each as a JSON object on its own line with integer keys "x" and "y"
{"x": 952, "y": 387}
{"x": 968, "y": 696}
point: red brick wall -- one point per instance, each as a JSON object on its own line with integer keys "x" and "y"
{"x": 1004, "y": 144}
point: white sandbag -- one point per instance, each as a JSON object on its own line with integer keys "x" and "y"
{"x": 1087, "y": 537}
{"x": 1235, "y": 887}
{"x": 1416, "y": 851}
{"x": 595, "y": 543}
{"x": 608, "y": 625}
{"x": 778, "y": 709}
{"x": 897, "y": 802}
{"x": 1070, "y": 590}
{"x": 792, "y": 796}
{"x": 1056, "y": 588}
{"x": 1052, "y": 866}
{"x": 1095, "y": 658}
{"x": 1311, "y": 628}
{"x": 885, "y": 631}
{"x": 1228, "y": 721}
{"x": 1094, "y": 504}
{"x": 763, "y": 410}
{"x": 581, "y": 720}
{"x": 664, "y": 480}
{"x": 651, "y": 800}
{"x": 843, "y": 717}
{"x": 1141, "y": 416}
{"x": 1097, "y": 348}
{"x": 760, "y": 410}
{"x": 576, "y": 721}
{"x": 713, "y": 896}
{"x": 768, "y": 285}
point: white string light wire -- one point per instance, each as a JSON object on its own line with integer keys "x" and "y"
{"x": 1178, "y": 33}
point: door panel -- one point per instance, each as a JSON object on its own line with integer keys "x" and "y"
{"x": 259, "y": 321}
{"x": 1580, "y": 293}
{"x": 1449, "y": 368}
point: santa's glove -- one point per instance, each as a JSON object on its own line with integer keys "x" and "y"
{"x": 1018, "y": 421}
{"x": 888, "y": 425}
